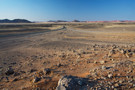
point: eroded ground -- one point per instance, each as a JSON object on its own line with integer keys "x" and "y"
{"x": 102, "y": 54}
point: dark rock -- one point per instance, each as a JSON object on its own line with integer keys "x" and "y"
{"x": 1, "y": 78}
{"x": 36, "y": 79}
{"x": 38, "y": 88}
{"x": 123, "y": 51}
{"x": 22, "y": 71}
{"x": 6, "y": 79}
{"x": 9, "y": 71}
{"x": 16, "y": 74}
{"x": 13, "y": 63}
{"x": 129, "y": 50}
{"x": 47, "y": 71}
{"x": 15, "y": 80}
{"x": 32, "y": 70}
{"x": 59, "y": 64}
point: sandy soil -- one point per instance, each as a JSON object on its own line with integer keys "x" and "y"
{"x": 74, "y": 50}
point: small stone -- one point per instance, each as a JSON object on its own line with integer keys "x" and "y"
{"x": 109, "y": 83}
{"x": 116, "y": 85}
{"x": 103, "y": 78}
{"x": 16, "y": 74}
{"x": 95, "y": 62}
{"x": 88, "y": 62}
{"x": 112, "y": 59}
{"x": 37, "y": 88}
{"x": 122, "y": 51}
{"x": 22, "y": 71}
{"x": 94, "y": 74}
{"x": 127, "y": 76}
{"x": 9, "y": 71}
{"x": 112, "y": 87}
{"x": 110, "y": 75}
{"x": 47, "y": 71}
{"x": 111, "y": 52}
{"x": 114, "y": 70}
{"x": 15, "y": 80}
{"x": 59, "y": 64}
{"x": 36, "y": 79}
{"x": 32, "y": 70}
{"x": 6, "y": 79}
{"x": 120, "y": 81}
{"x": 127, "y": 55}
{"x": 102, "y": 62}
{"x": 80, "y": 83}
{"x": 103, "y": 67}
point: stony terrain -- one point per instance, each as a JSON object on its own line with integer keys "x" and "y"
{"x": 68, "y": 56}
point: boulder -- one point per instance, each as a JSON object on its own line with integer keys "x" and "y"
{"x": 71, "y": 83}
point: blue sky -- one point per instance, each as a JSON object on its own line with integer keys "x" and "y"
{"x": 90, "y": 10}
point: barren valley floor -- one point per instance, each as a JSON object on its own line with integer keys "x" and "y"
{"x": 80, "y": 56}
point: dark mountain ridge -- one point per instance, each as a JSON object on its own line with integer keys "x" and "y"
{"x": 15, "y": 21}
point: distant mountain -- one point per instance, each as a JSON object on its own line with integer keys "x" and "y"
{"x": 15, "y": 21}
{"x": 76, "y": 21}
{"x": 57, "y": 21}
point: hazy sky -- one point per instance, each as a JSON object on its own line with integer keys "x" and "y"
{"x": 44, "y": 10}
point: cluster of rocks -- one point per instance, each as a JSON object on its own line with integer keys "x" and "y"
{"x": 45, "y": 72}
{"x": 118, "y": 76}
{"x": 107, "y": 75}
{"x": 128, "y": 52}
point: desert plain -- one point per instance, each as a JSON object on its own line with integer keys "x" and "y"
{"x": 67, "y": 56}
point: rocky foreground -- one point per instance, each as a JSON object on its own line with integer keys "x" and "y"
{"x": 114, "y": 72}
{"x": 95, "y": 67}
{"x": 69, "y": 59}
